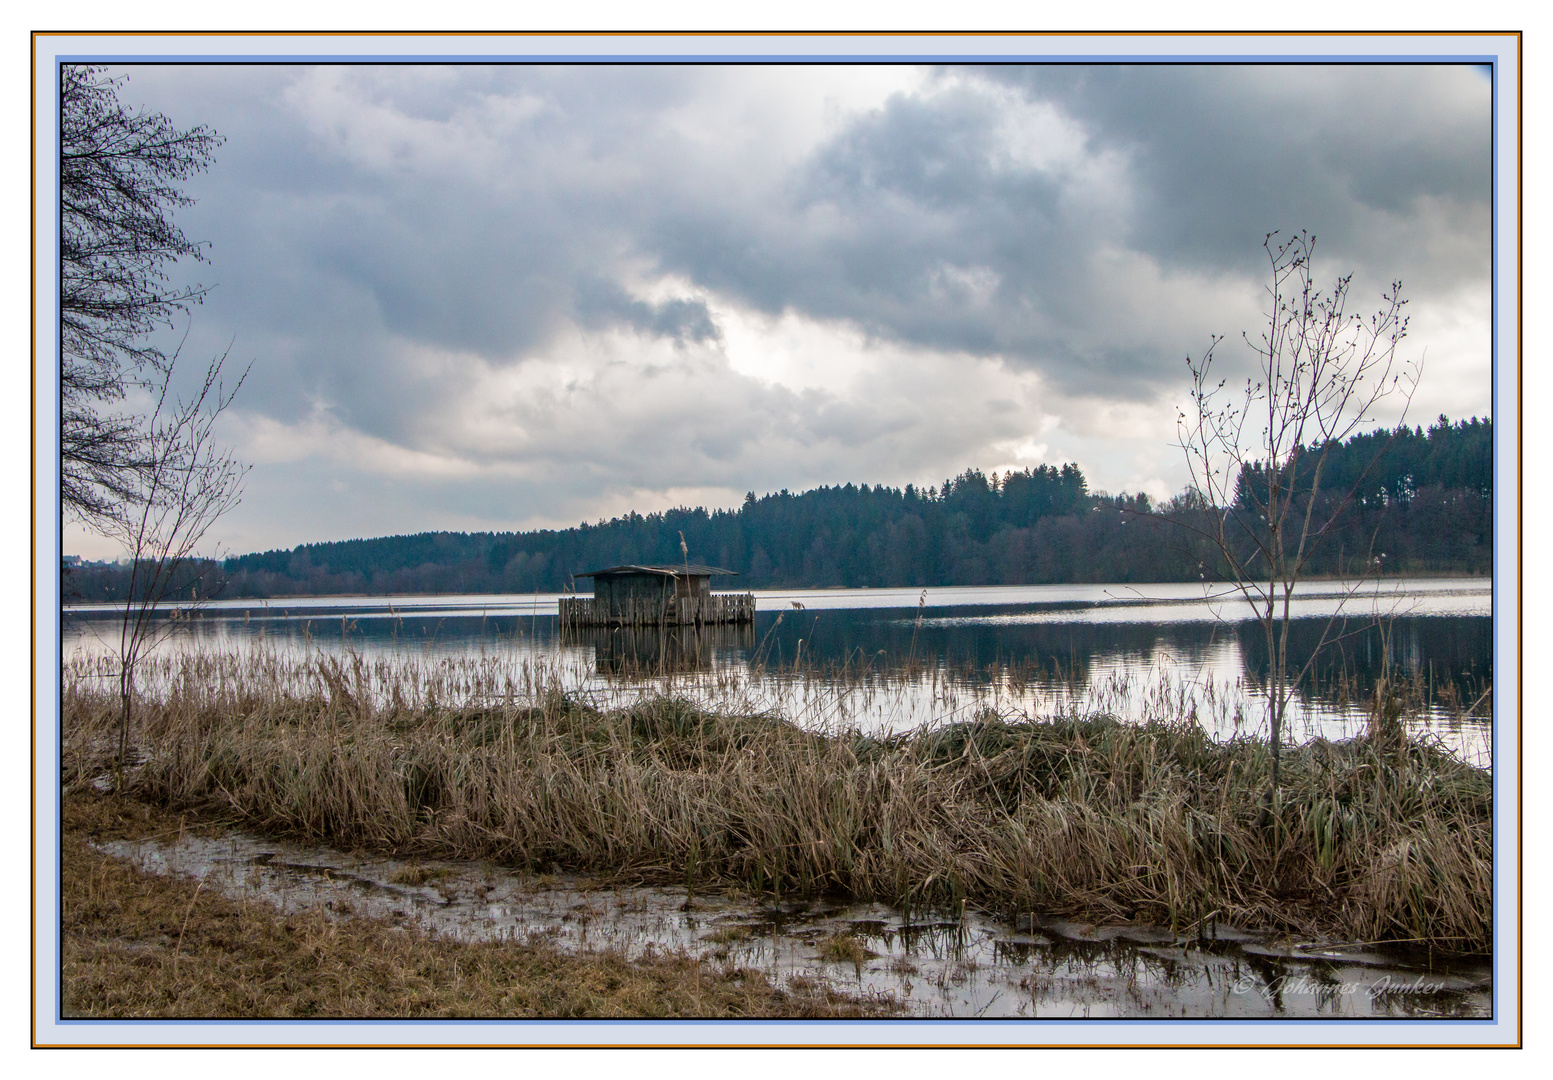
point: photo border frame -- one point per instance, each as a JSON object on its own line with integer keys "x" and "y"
{"x": 1500, "y": 50}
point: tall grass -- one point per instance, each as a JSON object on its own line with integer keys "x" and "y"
{"x": 1378, "y": 838}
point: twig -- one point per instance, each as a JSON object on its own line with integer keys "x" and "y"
{"x": 178, "y": 948}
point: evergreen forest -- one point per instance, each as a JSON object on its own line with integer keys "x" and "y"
{"x": 1423, "y": 506}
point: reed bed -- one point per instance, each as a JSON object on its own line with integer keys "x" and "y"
{"x": 1380, "y": 838}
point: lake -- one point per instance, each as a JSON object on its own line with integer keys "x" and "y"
{"x": 890, "y": 659}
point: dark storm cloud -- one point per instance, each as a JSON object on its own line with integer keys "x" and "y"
{"x": 893, "y": 222}
{"x": 1223, "y": 154}
{"x": 910, "y": 226}
{"x": 911, "y": 223}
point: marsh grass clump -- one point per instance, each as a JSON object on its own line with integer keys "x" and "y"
{"x": 1384, "y": 837}
{"x": 417, "y": 875}
{"x": 729, "y": 935}
{"x": 845, "y": 947}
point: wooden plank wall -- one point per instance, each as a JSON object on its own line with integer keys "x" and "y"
{"x": 673, "y": 610}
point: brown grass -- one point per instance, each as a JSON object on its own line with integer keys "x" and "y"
{"x": 845, "y": 947}
{"x": 1379, "y": 838}
{"x": 138, "y": 945}
{"x": 418, "y": 875}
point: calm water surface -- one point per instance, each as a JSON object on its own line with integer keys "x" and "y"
{"x": 890, "y": 659}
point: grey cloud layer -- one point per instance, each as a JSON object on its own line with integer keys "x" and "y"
{"x": 1373, "y": 158}
{"x": 385, "y": 238}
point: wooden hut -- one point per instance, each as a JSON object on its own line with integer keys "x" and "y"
{"x": 656, "y": 595}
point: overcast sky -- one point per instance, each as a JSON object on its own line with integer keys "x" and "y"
{"x": 484, "y": 297}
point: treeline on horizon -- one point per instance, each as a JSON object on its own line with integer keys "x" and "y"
{"x": 1424, "y": 507}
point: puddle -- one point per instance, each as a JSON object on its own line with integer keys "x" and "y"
{"x": 973, "y": 966}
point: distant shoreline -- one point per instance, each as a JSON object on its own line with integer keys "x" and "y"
{"x": 1311, "y": 579}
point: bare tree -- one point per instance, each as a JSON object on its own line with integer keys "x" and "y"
{"x": 119, "y": 175}
{"x": 186, "y": 482}
{"x": 1257, "y": 456}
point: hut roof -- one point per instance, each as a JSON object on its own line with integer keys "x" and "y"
{"x": 679, "y": 570}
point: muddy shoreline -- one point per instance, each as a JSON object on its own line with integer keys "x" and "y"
{"x": 147, "y": 945}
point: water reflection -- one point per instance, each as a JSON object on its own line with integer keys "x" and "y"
{"x": 970, "y": 965}
{"x": 634, "y": 653}
{"x": 885, "y": 659}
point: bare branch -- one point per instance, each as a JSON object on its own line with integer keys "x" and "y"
{"x": 1322, "y": 373}
{"x": 119, "y": 173}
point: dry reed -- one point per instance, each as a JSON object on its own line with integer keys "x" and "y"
{"x": 1378, "y": 838}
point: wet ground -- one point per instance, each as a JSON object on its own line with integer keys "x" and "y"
{"x": 966, "y": 965}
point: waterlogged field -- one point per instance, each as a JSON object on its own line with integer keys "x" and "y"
{"x": 963, "y": 963}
